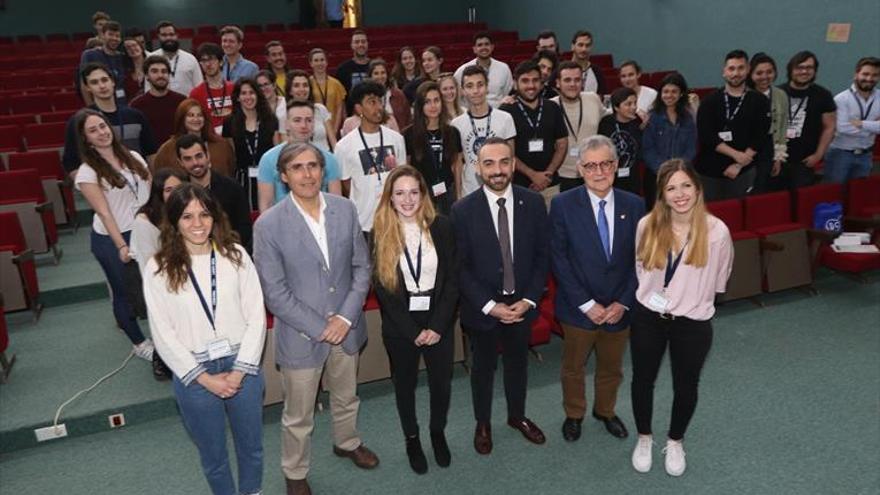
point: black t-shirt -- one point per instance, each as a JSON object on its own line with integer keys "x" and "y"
{"x": 627, "y": 139}
{"x": 806, "y": 107}
{"x": 544, "y": 124}
{"x": 742, "y": 122}
{"x": 436, "y": 164}
{"x": 351, "y": 73}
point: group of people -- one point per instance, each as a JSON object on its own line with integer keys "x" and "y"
{"x": 447, "y": 221}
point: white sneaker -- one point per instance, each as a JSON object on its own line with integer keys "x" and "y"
{"x": 641, "y": 458}
{"x": 675, "y": 463}
{"x": 144, "y": 350}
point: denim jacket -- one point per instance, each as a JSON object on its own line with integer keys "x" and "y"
{"x": 663, "y": 140}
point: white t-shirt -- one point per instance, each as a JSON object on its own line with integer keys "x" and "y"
{"x": 646, "y": 98}
{"x": 186, "y": 73}
{"x": 319, "y": 137}
{"x": 124, "y": 202}
{"x": 281, "y": 115}
{"x": 473, "y": 133}
{"x": 367, "y": 169}
{"x": 500, "y": 80}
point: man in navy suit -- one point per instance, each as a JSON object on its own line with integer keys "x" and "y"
{"x": 593, "y": 259}
{"x": 502, "y": 238}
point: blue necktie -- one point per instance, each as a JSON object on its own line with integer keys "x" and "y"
{"x": 603, "y": 230}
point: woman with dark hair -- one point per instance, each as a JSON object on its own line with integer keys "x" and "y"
{"x": 251, "y": 129}
{"x": 406, "y": 69}
{"x": 771, "y": 156}
{"x": 624, "y": 127}
{"x": 433, "y": 147}
{"x": 683, "y": 259}
{"x": 206, "y": 313}
{"x": 671, "y": 132}
{"x": 547, "y": 62}
{"x": 432, "y": 65}
{"x": 115, "y": 182}
{"x": 416, "y": 284}
{"x": 134, "y": 68}
{"x": 300, "y": 89}
{"x": 266, "y": 82}
{"x": 394, "y": 102}
{"x": 630, "y": 73}
{"x": 190, "y": 118}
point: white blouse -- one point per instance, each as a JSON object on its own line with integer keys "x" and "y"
{"x": 123, "y": 202}
{"x": 413, "y": 237}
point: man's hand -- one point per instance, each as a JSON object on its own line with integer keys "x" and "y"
{"x": 613, "y": 313}
{"x": 508, "y": 100}
{"x": 856, "y": 123}
{"x": 777, "y": 168}
{"x": 596, "y": 314}
{"x": 742, "y": 158}
{"x": 427, "y": 337}
{"x": 505, "y": 314}
{"x": 732, "y": 171}
{"x": 335, "y": 331}
{"x": 520, "y": 307}
{"x": 812, "y": 160}
{"x": 540, "y": 180}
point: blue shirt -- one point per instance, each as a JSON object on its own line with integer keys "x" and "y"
{"x": 663, "y": 140}
{"x": 847, "y": 136}
{"x": 244, "y": 68}
{"x": 267, "y": 172}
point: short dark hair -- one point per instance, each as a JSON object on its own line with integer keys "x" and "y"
{"x": 634, "y": 65}
{"x": 357, "y": 32}
{"x": 187, "y": 141}
{"x": 156, "y": 59}
{"x": 736, "y": 54}
{"x": 546, "y": 34}
{"x": 134, "y": 32}
{"x": 100, "y": 16}
{"x": 526, "y": 67}
{"x": 300, "y": 104}
{"x": 273, "y": 44}
{"x": 799, "y": 58}
{"x": 620, "y": 95}
{"x": 474, "y": 70}
{"x": 580, "y": 32}
{"x": 758, "y": 59}
{"x": 872, "y": 61}
{"x": 111, "y": 26}
{"x": 366, "y": 88}
{"x": 92, "y": 67}
{"x": 674, "y": 79}
{"x": 482, "y": 34}
{"x": 568, "y": 65}
{"x": 164, "y": 23}
{"x": 209, "y": 49}
{"x": 495, "y": 140}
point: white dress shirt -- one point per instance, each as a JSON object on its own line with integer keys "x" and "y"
{"x": 318, "y": 228}
{"x": 847, "y": 136}
{"x": 609, "y": 216}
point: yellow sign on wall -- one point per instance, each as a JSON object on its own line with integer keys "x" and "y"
{"x": 838, "y": 32}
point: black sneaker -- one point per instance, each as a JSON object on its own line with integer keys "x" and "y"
{"x": 441, "y": 449}
{"x": 417, "y": 460}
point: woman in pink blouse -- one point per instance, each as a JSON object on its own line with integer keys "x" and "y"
{"x": 683, "y": 258}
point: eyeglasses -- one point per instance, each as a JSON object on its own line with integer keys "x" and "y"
{"x": 805, "y": 67}
{"x": 605, "y": 165}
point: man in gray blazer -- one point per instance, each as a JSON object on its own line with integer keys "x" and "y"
{"x": 315, "y": 271}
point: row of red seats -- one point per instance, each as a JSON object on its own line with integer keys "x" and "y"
{"x": 50, "y": 101}
{"x": 31, "y": 137}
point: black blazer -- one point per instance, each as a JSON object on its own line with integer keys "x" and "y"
{"x": 397, "y": 321}
{"x": 234, "y": 202}
{"x": 481, "y": 275}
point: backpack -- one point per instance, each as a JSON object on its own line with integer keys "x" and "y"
{"x": 828, "y": 216}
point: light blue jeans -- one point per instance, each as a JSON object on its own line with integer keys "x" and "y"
{"x": 841, "y": 166}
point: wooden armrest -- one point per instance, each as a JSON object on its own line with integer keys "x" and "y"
{"x": 24, "y": 256}
{"x": 767, "y": 245}
{"x": 46, "y": 206}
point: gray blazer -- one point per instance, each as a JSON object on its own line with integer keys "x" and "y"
{"x": 300, "y": 290}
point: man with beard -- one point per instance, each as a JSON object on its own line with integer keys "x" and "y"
{"x": 732, "y": 125}
{"x": 276, "y": 62}
{"x": 193, "y": 156}
{"x": 159, "y": 103}
{"x": 858, "y": 123}
{"x": 497, "y": 72}
{"x": 184, "y": 68}
{"x": 109, "y": 55}
{"x": 547, "y": 42}
{"x": 503, "y": 251}
{"x": 582, "y": 112}
{"x": 591, "y": 74}
{"x": 811, "y": 119}
{"x": 541, "y": 137}
{"x": 354, "y": 70}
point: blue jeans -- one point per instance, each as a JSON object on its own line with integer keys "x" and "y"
{"x": 108, "y": 257}
{"x": 841, "y": 166}
{"x": 205, "y": 415}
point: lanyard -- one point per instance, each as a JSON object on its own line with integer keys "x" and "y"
{"x": 417, "y": 271}
{"x": 253, "y": 148}
{"x": 176, "y": 59}
{"x": 730, "y": 116}
{"x": 533, "y": 125}
{"x": 488, "y": 124}
{"x": 216, "y": 109}
{"x": 374, "y": 156}
{"x": 438, "y": 161}
{"x": 672, "y": 266}
{"x": 792, "y": 115}
{"x": 320, "y": 90}
{"x": 133, "y": 187}
{"x": 863, "y": 113}
{"x": 580, "y": 118}
{"x": 210, "y": 314}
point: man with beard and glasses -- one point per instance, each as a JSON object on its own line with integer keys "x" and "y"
{"x": 541, "y": 137}
{"x": 732, "y": 125}
{"x": 811, "y": 119}
{"x": 501, "y": 234}
{"x": 498, "y": 73}
{"x": 184, "y": 68}
{"x": 858, "y": 123}
{"x": 159, "y": 103}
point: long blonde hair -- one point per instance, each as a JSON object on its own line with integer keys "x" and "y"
{"x": 388, "y": 239}
{"x": 657, "y": 239}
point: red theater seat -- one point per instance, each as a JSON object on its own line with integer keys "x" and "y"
{"x": 30, "y": 104}
{"x": 49, "y": 135}
{"x": 55, "y": 185}
{"x": 19, "y": 285}
{"x": 745, "y": 277}
{"x": 10, "y": 138}
{"x": 21, "y": 191}
{"x": 785, "y": 257}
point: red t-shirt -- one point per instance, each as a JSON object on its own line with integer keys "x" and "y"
{"x": 216, "y": 102}
{"x": 159, "y": 112}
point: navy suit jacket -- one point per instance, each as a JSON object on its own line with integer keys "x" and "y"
{"x": 481, "y": 276}
{"x": 579, "y": 264}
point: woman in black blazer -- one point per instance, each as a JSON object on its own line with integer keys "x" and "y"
{"x": 416, "y": 283}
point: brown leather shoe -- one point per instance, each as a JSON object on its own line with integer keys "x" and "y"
{"x": 528, "y": 429}
{"x": 362, "y": 457}
{"x": 298, "y": 487}
{"x": 483, "y": 438}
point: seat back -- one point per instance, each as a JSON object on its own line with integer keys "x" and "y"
{"x": 730, "y": 212}
{"x": 863, "y": 198}
{"x": 44, "y": 135}
{"x": 10, "y": 138}
{"x": 21, "y": 186}
{"x": 47, "y": 163}
{"x": 767, "y": 210}
{"x": 806, "y": 199}
{"x": 11, "y": 234}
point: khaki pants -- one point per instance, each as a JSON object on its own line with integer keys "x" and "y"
{"x": 549, "y": 194}
{"x": 576, "y": 349}
{"x": 298, "y": 418}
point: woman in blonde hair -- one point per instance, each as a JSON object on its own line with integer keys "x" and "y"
{"x": 415, "y": 281}
{"x": 683, "y": 258}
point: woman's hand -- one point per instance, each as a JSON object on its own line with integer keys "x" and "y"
{"x": 124, "y": 254}
{"x": 218, "y": 384}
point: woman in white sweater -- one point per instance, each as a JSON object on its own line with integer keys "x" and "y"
{"x": 208, "y": 322}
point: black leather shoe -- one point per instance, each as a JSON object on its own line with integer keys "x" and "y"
{"x": 614, "y": 425}
{"x": 571, "y": 429}
{"x": 441, "y": 449}
{"x": 417, "y": 460}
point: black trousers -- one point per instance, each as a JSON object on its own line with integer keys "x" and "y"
{"x": 689, "y": 342}
{"x": 404, "y": 357}
{"x": 514, "y": 342}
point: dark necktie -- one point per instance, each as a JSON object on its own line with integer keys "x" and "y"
{"x": 506, "y": 255}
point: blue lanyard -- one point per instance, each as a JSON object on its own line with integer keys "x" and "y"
{"x": 417, "y": 271}
{"x": 863, "y": 113}
{"x": 672, "y": 266}
{"x": 131, "y": 187}
{"x": 213, "y": 311}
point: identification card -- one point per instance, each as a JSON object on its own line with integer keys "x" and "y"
{"x": 120, "y": 93}
{"x": 219, "y": 348}
{"x": 574, "y": 151}
{"x": 536, "y": 145}
{"x": 792, "y": 133}
{"x": 253, "y": 172}
{"x": 419, "y": 303}
{"x": 623, "y": 172}
{"x": 726, "y": 136}
{"x": 658, "y": 302}
{"x": 439, "y": 189}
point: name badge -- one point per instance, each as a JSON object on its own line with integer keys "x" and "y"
{"x": 253, "y": 172}
{"x": 419, "y": 303}
{"x": 219, "y": 348}
{"x": 574, "y": 151}
{"x": 792, "y": 133}
{"x": 658, "y": 302}
{"x": 726, "y": 136}
{"x": 623, "y": 172}
{"x": 536, "y": 145}
{"x": 120, "y": 93}
{"x": 439, "y": 189}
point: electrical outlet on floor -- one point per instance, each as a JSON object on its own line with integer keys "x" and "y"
{"x": 116, "y": 420}
{"x": 51, "y": 432}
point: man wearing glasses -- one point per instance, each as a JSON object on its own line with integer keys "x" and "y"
{"x": 592, "y": 253}
{"x": 215, "y": 93}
